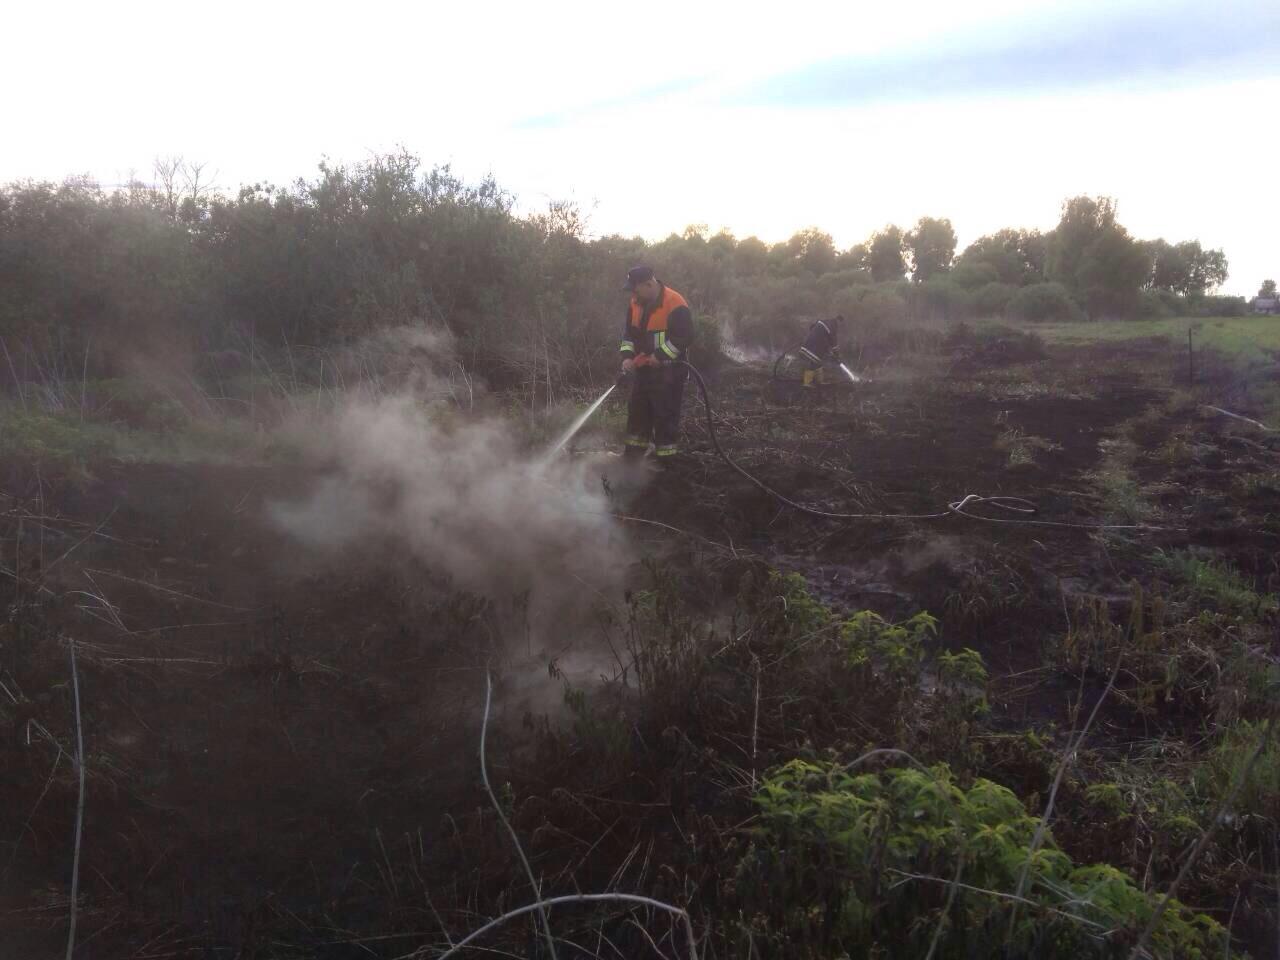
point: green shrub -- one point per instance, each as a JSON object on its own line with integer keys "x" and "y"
{"x": 1043, "y": 302}
{"x": 873, "y": 307}
{"x": 1153, "y": 305}
{"x": 860, "y": 864}
{"x": 708, "y": 348}
{"x": 992, "y": 299}
{"x": 60, "y": 444}
{"x": 1213, "y": 305}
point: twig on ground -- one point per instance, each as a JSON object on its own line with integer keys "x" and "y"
{"x": 75, "y": 546}
{"x": 1236, "y": 416}
{"x": 27, "y": 826}
{"x": 999, "y": 894}
{"x": 175, "y": 593}
{"x": 577, "y": 898}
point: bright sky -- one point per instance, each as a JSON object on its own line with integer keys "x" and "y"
{"x": 762, "y": 118}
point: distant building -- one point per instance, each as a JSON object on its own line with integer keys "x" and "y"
{"x": 1266, "y": 305}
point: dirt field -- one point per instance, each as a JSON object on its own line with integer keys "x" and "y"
{"x": 282, "y": 751}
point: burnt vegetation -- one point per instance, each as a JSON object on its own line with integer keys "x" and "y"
{"x": 985, "y": 734}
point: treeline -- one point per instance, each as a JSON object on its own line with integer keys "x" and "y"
{"x": 95, "y": 278}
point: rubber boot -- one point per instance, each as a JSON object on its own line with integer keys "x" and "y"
{"x": 820, "y": 376}
{"x": 807, "y": 379}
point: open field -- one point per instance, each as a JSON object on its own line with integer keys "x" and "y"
{"x": 281, "y": 743}
{"x": 1238, "y": 336}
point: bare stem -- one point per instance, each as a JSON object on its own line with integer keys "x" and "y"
{"x": 75, "y": 865}
{"x": 484, "y": 772}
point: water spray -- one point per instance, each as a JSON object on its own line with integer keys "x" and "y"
{"x": 853, "y": 377}
{"x": 578, "y": 424}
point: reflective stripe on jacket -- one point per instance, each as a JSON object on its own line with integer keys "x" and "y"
{"x": 664, "y": 329}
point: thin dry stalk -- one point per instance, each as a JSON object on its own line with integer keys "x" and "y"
{"x": 946, "y": 909}
{"x": 75, "y": 864}
{"x": 22, "y": 393}
{"x": 755, "y": 725}
{"x": 484, "y": 772}
{"x": 578, "y": 898}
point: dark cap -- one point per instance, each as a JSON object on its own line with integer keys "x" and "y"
{"x": 637, "y": 275}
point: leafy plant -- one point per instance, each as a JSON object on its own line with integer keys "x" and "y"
{"x": 863, "y": 863}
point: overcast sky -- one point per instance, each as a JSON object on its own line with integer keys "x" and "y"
{"x": 761, "y": 118}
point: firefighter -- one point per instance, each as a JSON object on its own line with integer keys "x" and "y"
{"x": 658, "y": 332}
{"x": 821, "y": 342}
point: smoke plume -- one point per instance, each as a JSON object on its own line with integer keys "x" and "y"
{"x": 465, "y": 495}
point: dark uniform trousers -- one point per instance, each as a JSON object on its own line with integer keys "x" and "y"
{"x": 654, "y": 411}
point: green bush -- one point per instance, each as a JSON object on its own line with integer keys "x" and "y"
{"x": 873, "y": 308}
{"x": 1154, "y": 305}
{"x": 708, "y": 346}
{"x": 56, "y": 444}
{"x": 860, "y": 864}
{"x": 1043, "y": 302}
{"x": 992, "y": 299}
{"x": 1217, "y": 306}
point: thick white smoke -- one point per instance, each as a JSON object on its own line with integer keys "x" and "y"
{"x": 467, "y": 497}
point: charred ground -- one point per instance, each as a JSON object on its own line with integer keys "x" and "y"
{"x": 282, "y": 750}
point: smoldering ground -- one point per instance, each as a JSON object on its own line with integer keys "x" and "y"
{"x": 467, "y": 496}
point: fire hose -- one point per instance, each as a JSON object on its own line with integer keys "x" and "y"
{"x": 959, "y": 507}
{"x": 1016, "y": 505}
{"x": 777, "y": 364}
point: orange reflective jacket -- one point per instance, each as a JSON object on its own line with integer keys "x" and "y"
{"x": 664, "y": 330}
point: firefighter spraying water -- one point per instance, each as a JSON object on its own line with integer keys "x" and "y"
{"x": 656, "y": 337}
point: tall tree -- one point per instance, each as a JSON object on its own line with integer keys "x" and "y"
{"x": 1094, "y": 257}
{"x": 931, "y": 246}
{"x": 885, "y": 257}
{"x": 812, "y": 250}
{"x": 1268, "y": 290}
{"x": 1185, "y": 268}
{"x": 1016, "y": 256}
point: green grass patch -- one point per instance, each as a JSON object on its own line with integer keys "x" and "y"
{"x": 1259, "y": 794}
{"x": 61, "y": 444}
{"x": 1213, "y": 583}
{"x": 1234, "y": 336}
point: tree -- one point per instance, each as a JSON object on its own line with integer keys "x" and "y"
{"x": 1208, "y": 270}
{"x": 885, "y": 256}
{"x": 1096, "y": 260}
{"x": 932, "y": 247}
{"x": 812, "y": 250}
{"x": 857, "y": 257}
{"x": 1268, "y": 290}
{"x": 1014, "y": 257}
{"x": 750, "y": 257}
{"x": 1185, "y": 268}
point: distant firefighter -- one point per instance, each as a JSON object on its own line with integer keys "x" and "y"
{"x": 822, "y": 342}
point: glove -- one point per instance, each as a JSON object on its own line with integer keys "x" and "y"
{"x": 645, "y": 360}
{"x": 628, "y": 364}
{"x": 835, "y": 353}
